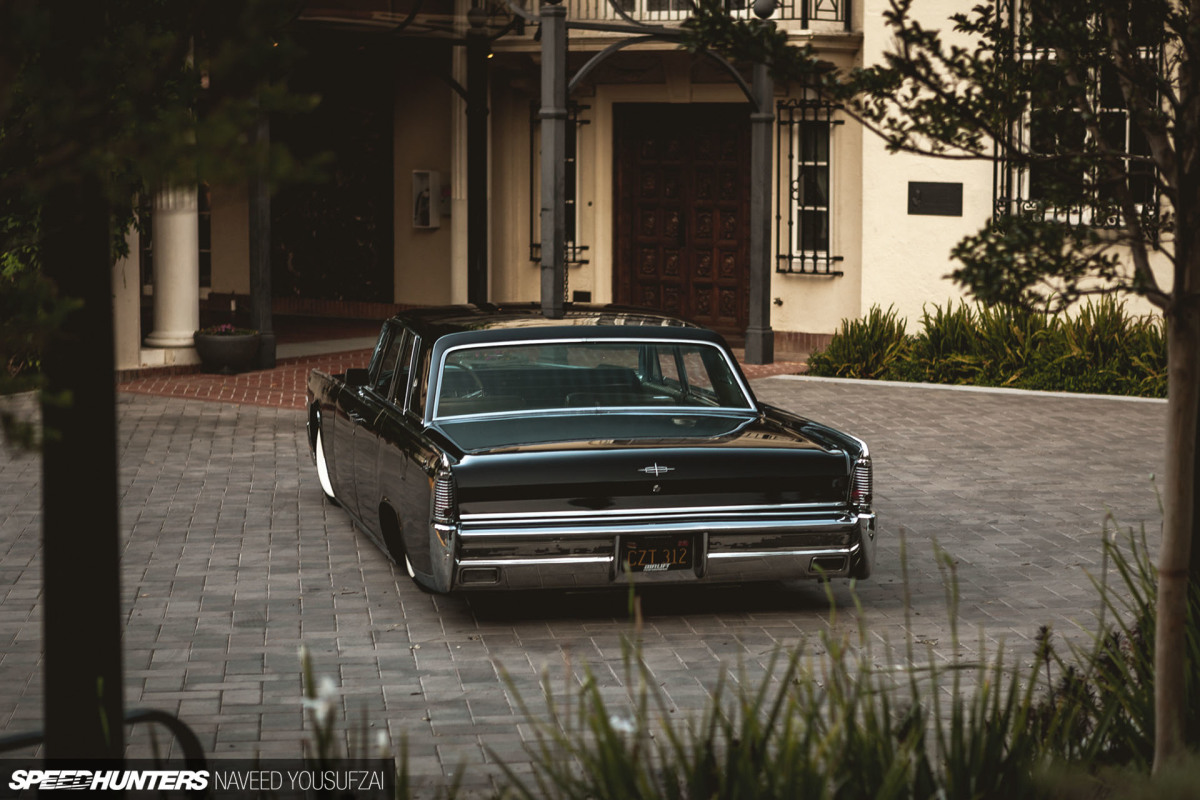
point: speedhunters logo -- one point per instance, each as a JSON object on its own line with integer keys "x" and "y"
{"x": 109, "y": 780}
{"x": 217, "y": 780}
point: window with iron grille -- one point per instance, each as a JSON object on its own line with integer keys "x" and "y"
{"x": 1058, "y": 173}
{"x": 574, "y": 250}
{"x": 805, "y": 12}
{"x": 804, "y": 188}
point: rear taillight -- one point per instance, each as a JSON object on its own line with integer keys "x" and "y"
{"x": 444, "y": 499}
{"x": 862, "y": 484}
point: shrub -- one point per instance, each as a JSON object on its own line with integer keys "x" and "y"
{"x": 1011, "y": 339}
{"x": 1099, "y": 710}
{"x": 1146, "y": 346}
{"x": 1085, "y": 353}
{"x": 830, "y": 724}
{"x": 946, "y": 349}
{"x": 872, "y": 347}
{"x": 1101, "y": 349}
{"x": 834, "y": 727}
{"x": 839, "y": 727}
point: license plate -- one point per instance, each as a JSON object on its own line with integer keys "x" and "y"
{"x": 661, "y": 553}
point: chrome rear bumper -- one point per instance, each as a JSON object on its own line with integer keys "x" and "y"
{"x": 728, "y": 549}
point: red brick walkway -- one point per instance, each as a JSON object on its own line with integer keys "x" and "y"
{"x": 284, "y": 386}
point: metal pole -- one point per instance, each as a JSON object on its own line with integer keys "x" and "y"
{"x": 478, "y": 47}
{"x": 260, "y": 249}
{"x": 760, "y": 339}
{"x": 553, "y": 116}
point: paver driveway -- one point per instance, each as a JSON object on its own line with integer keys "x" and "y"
{"x": 232, "y": 559}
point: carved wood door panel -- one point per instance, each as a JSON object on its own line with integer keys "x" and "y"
{"x": 682, "y": 211}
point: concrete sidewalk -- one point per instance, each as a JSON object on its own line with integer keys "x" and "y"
{"x": 232, "y": 558}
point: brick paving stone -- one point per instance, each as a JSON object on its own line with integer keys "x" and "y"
{"x": 231, "y": 558}
{"x": 284, "y": 386}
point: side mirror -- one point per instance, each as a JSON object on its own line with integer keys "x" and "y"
{"x": 357, "y": 376}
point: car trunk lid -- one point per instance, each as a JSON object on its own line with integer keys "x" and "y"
{"x": 629, "y": 462}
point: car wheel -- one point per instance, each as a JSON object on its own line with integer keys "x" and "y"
{"x": 323, "y": 468}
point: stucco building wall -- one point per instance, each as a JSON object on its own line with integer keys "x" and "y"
{"x": 230, "y": 240}
{"x": 887, "y": 256}
{"x": 423, "y": 141}
{"x": 906, "y": 257}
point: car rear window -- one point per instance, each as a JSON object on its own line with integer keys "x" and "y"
{"x": 543, "y": 376}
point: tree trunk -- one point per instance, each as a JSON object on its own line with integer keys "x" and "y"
{"x": 1183, "y": 355}
{"x": 84, "y": 703}
{"x": 1183, "y": 426}
{"x": 83, "y": 695}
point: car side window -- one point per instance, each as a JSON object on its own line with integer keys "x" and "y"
{"x": 385, "y": 336}
{"x": 419, "y": 384}
{"x": 668, "y": 367}
{"x": 384, "y": 369}
{"x": 404, "y": 369}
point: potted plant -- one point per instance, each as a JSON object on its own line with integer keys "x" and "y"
{"x": 227, "y": 349}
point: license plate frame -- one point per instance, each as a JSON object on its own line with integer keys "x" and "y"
{"x": 657, "y": 553}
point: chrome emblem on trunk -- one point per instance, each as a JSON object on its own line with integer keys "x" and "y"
{"x": 656, "y": 470}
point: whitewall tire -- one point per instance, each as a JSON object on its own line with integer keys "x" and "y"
{"x": 323, "y": 468}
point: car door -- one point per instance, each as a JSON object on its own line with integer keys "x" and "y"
{"x": 398, "y": 430}
{"x": 365, "y": 408}
{"x": 409, "y": 453}
{"x": 347, "y": 416}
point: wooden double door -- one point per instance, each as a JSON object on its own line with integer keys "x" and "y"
{"x": 682, "y": 211}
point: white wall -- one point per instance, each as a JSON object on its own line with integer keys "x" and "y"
{"x": 906, "y": 258}
{"x": 514, "y": 278}
{"x": 814, "y": 303}
{"x": 422, "y": 142}
{"x": 230, "y": 240}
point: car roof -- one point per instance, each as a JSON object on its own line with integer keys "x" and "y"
{"x": 517, "y": 319}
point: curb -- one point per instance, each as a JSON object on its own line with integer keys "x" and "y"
{"x": 954, "y": 387}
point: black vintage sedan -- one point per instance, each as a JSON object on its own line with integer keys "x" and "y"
{"x": 492, "y": 448}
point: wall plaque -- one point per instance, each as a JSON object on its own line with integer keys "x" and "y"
{"x": 937, "y": 199}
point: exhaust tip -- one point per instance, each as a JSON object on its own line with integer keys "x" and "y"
{"x": 827, "y": 565}
{"x": 479, "y": 576}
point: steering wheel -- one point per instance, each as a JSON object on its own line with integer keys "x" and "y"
{"x": 460, "y": 383}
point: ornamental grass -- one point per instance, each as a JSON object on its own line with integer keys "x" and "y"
{"x": 828, "y": 722}
{"x": 1099, "y": 348}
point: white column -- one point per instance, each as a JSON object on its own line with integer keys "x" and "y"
{"x": 176, "y": 267}
{"x": 127, "y": 305}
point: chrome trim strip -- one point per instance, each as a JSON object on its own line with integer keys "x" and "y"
{"x": 580, "y": 572}
{"x": 532, "y": 562}
{"x": 816, "y": 552}
{"x": 579, "y": 411}
{"x": 653, "y": 512}
{"x": 846, "y": 524}
{"x": 866, "y": 451}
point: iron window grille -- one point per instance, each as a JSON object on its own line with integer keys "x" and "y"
{"x": 826, "y": 12}
{"x": 574, "y": 250}
{"x": 1021, "y": 184}
{"x": 804, "y": 187}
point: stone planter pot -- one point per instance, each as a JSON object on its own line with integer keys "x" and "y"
{"x": 227, "y": 354}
